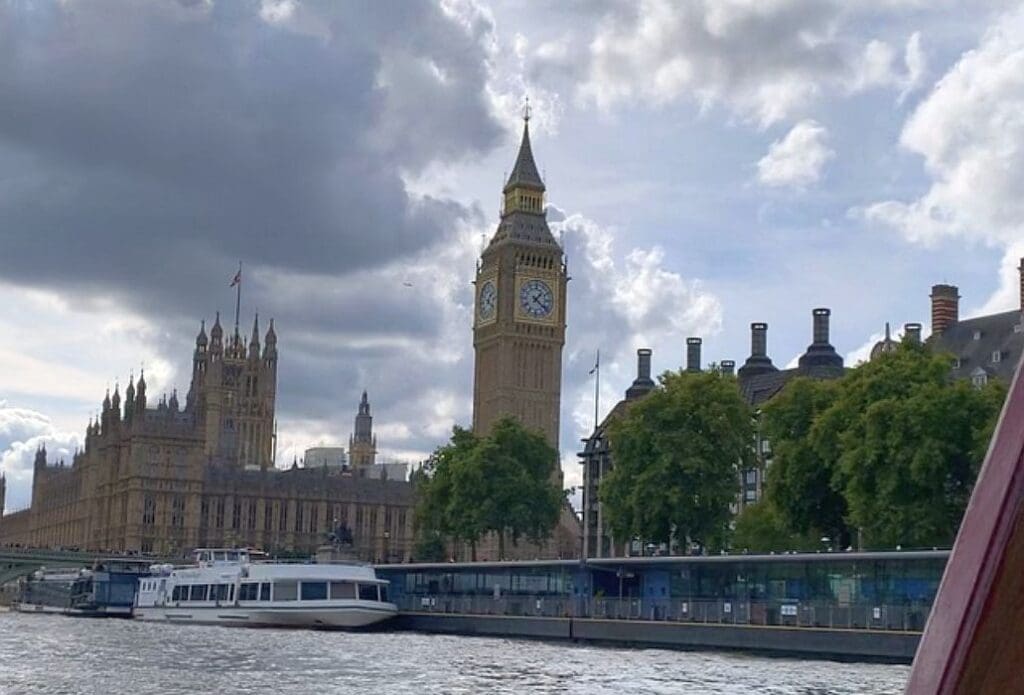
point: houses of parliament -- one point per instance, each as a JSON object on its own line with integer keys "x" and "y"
{"x": 169, "y": 477}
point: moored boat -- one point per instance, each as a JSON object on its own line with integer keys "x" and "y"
{"x": 46, "y": 591}
{"x": 236, "y": 587}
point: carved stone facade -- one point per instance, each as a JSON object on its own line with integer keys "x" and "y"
{"x": 519, "y": 331}
{"x": 166, "y": 479}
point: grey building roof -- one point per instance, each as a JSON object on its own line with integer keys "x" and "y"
{"x": 524, "y": 226}
{"x": 525, "y": 173}
{"x": 760, "y": 388}
{"x": 992, "y": 343}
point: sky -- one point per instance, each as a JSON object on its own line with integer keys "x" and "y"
{"x": 709, "y": 163}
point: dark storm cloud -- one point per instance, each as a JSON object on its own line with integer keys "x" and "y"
{"x": 146, "y": 146}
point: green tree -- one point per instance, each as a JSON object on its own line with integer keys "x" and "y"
{"x": 760, "y": 528}
{"x": 677, "y": 455}
{"x": 799, "y": 482}
{"x": 503, "y": 483}
{"x": 910, "y": 442}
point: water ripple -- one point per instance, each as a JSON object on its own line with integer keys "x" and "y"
{"x": 53, "y": 655}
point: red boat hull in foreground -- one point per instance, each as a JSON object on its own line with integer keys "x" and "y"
{"x": 974, "y": 640}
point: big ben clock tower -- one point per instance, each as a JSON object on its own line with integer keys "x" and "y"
{"x": 519, "y": 324}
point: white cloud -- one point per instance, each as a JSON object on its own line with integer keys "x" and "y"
{"x": 798, "y": 158}
{"x": 22, "y": 431}
{"x": 765, "y": 60}
{"x": 970, "y": 132}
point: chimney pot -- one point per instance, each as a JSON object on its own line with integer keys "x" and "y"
{"x": 821, "y": 327}
{"x": 693, "y": 354}
{"x": 912, "y": 332}
{"x": 759, "y": 339}
{"x": 727, "y": 367}
{"x": 945, "y": 307}
{"x": 643, "y": 363}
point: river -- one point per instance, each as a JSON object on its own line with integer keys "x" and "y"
{"x": 65, "y": 656}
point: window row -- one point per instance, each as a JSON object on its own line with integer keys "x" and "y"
{"x": 280, "y": 591}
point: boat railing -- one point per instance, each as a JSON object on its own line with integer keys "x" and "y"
{"x": 860, "y": 615}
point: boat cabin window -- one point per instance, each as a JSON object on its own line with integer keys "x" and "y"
{"x": 265, "y": 591}
{"x": 197, "y": 592}
{"x": 314, "y": 591}
{"x": 286, "y": 591}
{"x": 179, "y": 593}
{"x": 383, "y": 592}
{"x": 343, "y": 590}
{"x": 222, "y": 592}
{"x": 367, "y": 592}
{"x": 248, "y": 591}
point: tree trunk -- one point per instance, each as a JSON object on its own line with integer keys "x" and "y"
{"x": 501, "y": 545}
{"x": 472, "y": 550}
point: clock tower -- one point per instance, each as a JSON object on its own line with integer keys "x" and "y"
{"x": 519, "y": 318}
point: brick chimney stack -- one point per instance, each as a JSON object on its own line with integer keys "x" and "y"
{"x": 693, "y": 354}
{"x": 727, "y": 367}
{"x": 945, "y": 307}
{"x": 643, "y": 384}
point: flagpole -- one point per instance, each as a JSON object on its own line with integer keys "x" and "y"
{"x": 238, "y": 296}
{"x": 597, "y": 388}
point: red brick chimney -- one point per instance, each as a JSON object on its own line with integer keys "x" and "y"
{"x": 945, "y": 307}
{"x": 1020, "y": 269}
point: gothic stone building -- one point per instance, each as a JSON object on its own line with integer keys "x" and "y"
{"x": 172, "y": 477}
{"x": 519, "y": 330}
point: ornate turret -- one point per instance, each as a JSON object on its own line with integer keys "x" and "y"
{"x": 884, "y": 346}
{"x": 140, "y": 394}
{"x": 217, "y": 337}
{"x": 270, "y": 343}
{"x": 173, "y": 403}
{"x": 362, "y": 444}
{"x": 254, "y": 341}
{"x": 129, "y": 399}
{"x": 40, "y": 460}
{"x": 201, "y": 340}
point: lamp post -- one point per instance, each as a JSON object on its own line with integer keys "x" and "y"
{"x": 387, "y": 546}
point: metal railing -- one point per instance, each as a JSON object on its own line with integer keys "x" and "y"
{"x": 780, "y": 613}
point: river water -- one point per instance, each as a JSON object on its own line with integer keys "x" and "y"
{"x": 59, "y": 655}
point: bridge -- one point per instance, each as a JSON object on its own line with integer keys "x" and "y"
{"x": 21, "y": 562}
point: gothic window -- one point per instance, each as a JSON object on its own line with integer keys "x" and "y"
{"x": 178, "y": 511}
{"x": 148, "y": 511}
{"x": 268, "y": 516}
{"x": 204, "y": 512}
{"x": 314, "y": 519}
{"x": 282, "y": 524}
{"x": 219, "y": 513}
{"x": 252, "y": 514}
{"x": 298, "y": 517}
{"x": 236, "y": 514}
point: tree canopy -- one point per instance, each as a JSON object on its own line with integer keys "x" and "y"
{"x": 677, "y": 455}
{"x": 502, "y": 483}
{"x": 892, "y": 448}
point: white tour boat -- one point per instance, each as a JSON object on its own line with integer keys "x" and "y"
{"x": 233, "y": 587}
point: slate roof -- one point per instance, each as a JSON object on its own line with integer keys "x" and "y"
{"x": 525, "y": 173}
{"x": 976, "y": 341}
{"x": 760, "y": 388}
{"x": 524, "y": 226}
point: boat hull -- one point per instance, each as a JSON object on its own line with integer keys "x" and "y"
{"x": 324, "y": 617}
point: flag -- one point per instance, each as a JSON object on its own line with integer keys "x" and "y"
{"x": 597, "y": 364}
{"x": 238, "y": 278}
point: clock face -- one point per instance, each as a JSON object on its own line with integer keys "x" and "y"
{"x": 536, "y": 299}
{"x": 488, "y": 300}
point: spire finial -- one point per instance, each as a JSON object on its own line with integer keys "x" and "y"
{"x": 527, "y": 110}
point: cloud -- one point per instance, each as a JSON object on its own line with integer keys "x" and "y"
{"x": 618, "y": 306}
{"x": 764, "y": 61}
{"x": 798, "y": 158}
{"x": 22, "y": 431}
{"x": 144, "y": 148}
{"x": 970, "y": 132}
